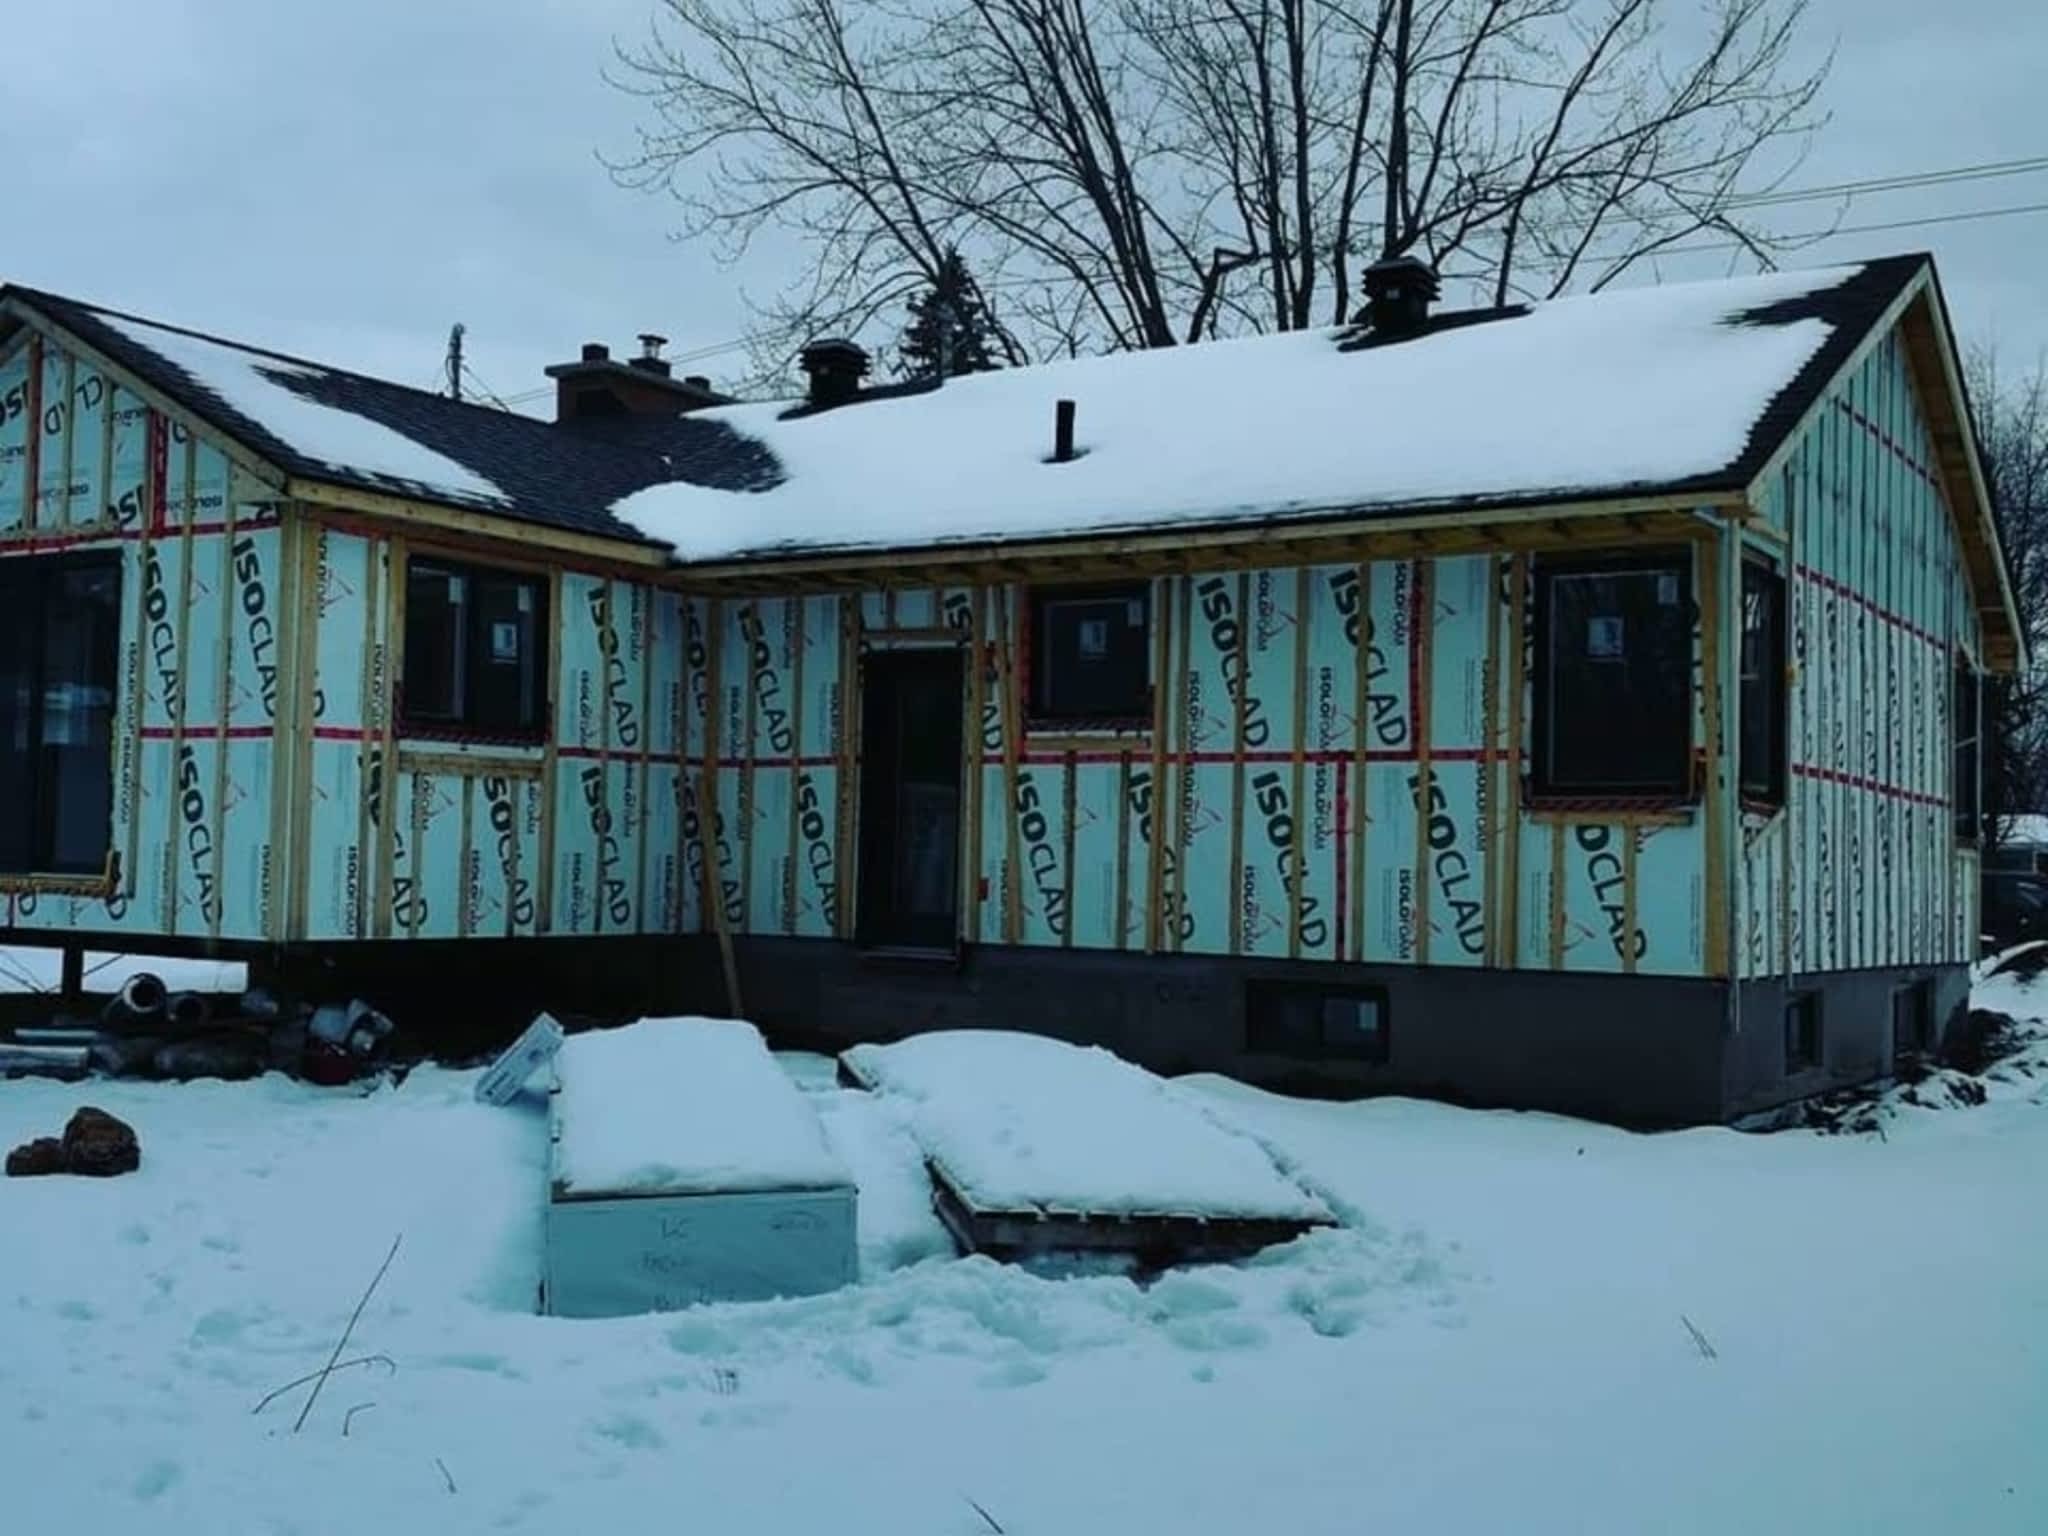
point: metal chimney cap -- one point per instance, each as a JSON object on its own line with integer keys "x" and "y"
{"x": 651, "y": 344}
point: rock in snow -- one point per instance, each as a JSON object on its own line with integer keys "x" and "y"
{"x": 33, "y": 1158}
{"x": 100, "y": 1146}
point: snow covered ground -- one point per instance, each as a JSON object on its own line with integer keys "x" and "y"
{"x": 1528, "y": 1324}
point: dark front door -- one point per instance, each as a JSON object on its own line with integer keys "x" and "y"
{"x": 910, "y": 774}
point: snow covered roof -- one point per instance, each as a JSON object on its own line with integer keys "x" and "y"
{"x": 1676, "y": 388}
{"x": 1682, "y": 388}
{"x": 334, "y": 425}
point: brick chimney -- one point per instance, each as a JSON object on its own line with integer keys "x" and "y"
{"x": 597, "y": 388}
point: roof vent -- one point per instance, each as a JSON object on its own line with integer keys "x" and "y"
{"x": 650, "y": 359}
{"x": 1398, "y": 293}
{"x": 835, "y": 366}
{"x": 595, "y": 352}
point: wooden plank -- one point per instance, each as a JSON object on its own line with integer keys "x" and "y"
{"x": 1184, "y": 766}
{"x": 1013, "y": 730}
{"x": 650, "y": 922}
{"x": 1489, "y": 767}
{"x": 712, "y": 898}
{"x": 1239, "y": 704}
{"x": 606, "y": 706}
{"x": 1068, "y": 771}
{"x": 846, "y": 854}
{"x": 32, "y": 440}
{"x": 280, "y": 899}
{"x": 1123, "y": 852}
{"x": 1631, "y": 841}
{"x": 188, "y": 514}
{"x": 152, "y": 487}
{"x": 1557, "y": 897}
{"x": 1421, "y": 636}
{"x": 394, "y": 670}
{"x": 1361, "y": 712}
{"x": 468, "y": 764}
{"x": 977, "y": 761}
{"x": 223, "y": 661}
{"x": 1162, "y": 696}
{"x": 411, "y": 518}
{"x": 707, "y": 788}
{"x": 1296, "y": 857}
{"x": 753, "y": 644}
{"x": 551, "y": 771}
{"x": 68, "y": 466}
{"x": 796, "y": 752}
{"x": 1717, "y": 916}
{"x": 376, "y": 699}
{"x": 462, "y": 912}
{"x": 1517, "y": 747}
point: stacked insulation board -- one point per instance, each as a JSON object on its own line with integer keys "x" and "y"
{"x": 685, "y": 1167}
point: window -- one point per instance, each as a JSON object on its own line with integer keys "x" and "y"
{"x": 1090, "y": 650}
{"x": 475, "y": 647}
{"x": 1291, "y": 1019}
{"x": 1967, "y": 789}
{"x": 1912, "y": 1020}
{"x": 1613, "y": 696}
{"x": 1802, "y": 1032}
{"x": 1762, "y": 667}
{"x": 60, "y": 625}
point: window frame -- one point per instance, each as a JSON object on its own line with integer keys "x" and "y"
{"x": 1268, "y": 1001}
{"x": 1541, "y": 789}
{"x": 1037, "y": 648}
{"x": 39, "y": 806}
{"x": 1765, "y": 791}
{"x": 465, "y": 725}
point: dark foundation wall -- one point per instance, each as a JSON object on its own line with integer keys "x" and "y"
{"x": 1857, "y": 1014}
{"x": 1635, "y": 1049}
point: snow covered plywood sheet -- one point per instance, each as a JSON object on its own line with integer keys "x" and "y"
{"x": 1037, "y": 1145}
{"x": 682, "y": 1106}
{"x": 688, "y": 1168}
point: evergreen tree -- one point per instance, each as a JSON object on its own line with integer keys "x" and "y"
{"x": 950, "y": 330}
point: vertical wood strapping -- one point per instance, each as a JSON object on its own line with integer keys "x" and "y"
{"x": 977, "y": 756}
{"x": 375, "y": 701}
{"x": 1557, "y": 896}
{"x": 707, "y": 788}
{"x": 846, "y": 855}
{"x": 646, "y": 921}
{"x": 753, "y": 644}
{"x": 463, "y": 883}
{"x": 802, "y": 605}
{"x": 1297, "y": 860}
{"x": 187, "y": 512}
{"x": 224, "y": 674}
{"x": 32, "y": 455}
{"x": 387, "y": 780}
{"x": 152, "y": 488}
{"x": 1013, "y": 731}
{"x": 1239, "y": 700}
{"x": 68, "y": 425}
{"x": 550, "y": 769}
{"x": 1631, "y": 841}
{"x": 1069, "y": 771}
{"x": 418, "y": 786}
{"x": 1177, "y": 906}
{"x": 1421, "y": 631}
{"x": 1123, "y": 849}
{"x": 1489, "y": 764}
{"x": 1791, "y": 818}
{"x": 1162, "y": 704}
{"x": 105, "y": 512}
{"x": 284, "y": 742}
{"x": 1511, "y": 809}
{"x": 608, "y": 634}
{"x": 1361, "y": 709}
{"x": 308, "y": 541}
{"x": 1718, "y": 915}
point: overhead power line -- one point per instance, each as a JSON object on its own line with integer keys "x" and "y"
{"x": 1914, "y": 181}
{"x": 1966, "y": 217}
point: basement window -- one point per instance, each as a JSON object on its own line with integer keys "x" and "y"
{"x": 1090, "y": 651}
{"x": 1762, "y": 674}
{"x": 1912, "y": 1020}
{"x": 60, "y": 625}
{"x": 475, "y": 651}
{"x": 1802, "y": 1032}
{"x": 1968, "y": 716}
{"x": 1296, "y": 1019}
{"x": 1612, "y": 714}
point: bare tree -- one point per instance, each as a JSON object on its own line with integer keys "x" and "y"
{"x": 1136, "y": 173}
{"x": 2012, "y": 435}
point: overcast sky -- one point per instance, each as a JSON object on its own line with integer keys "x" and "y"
{"x": 345, "y": 180}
